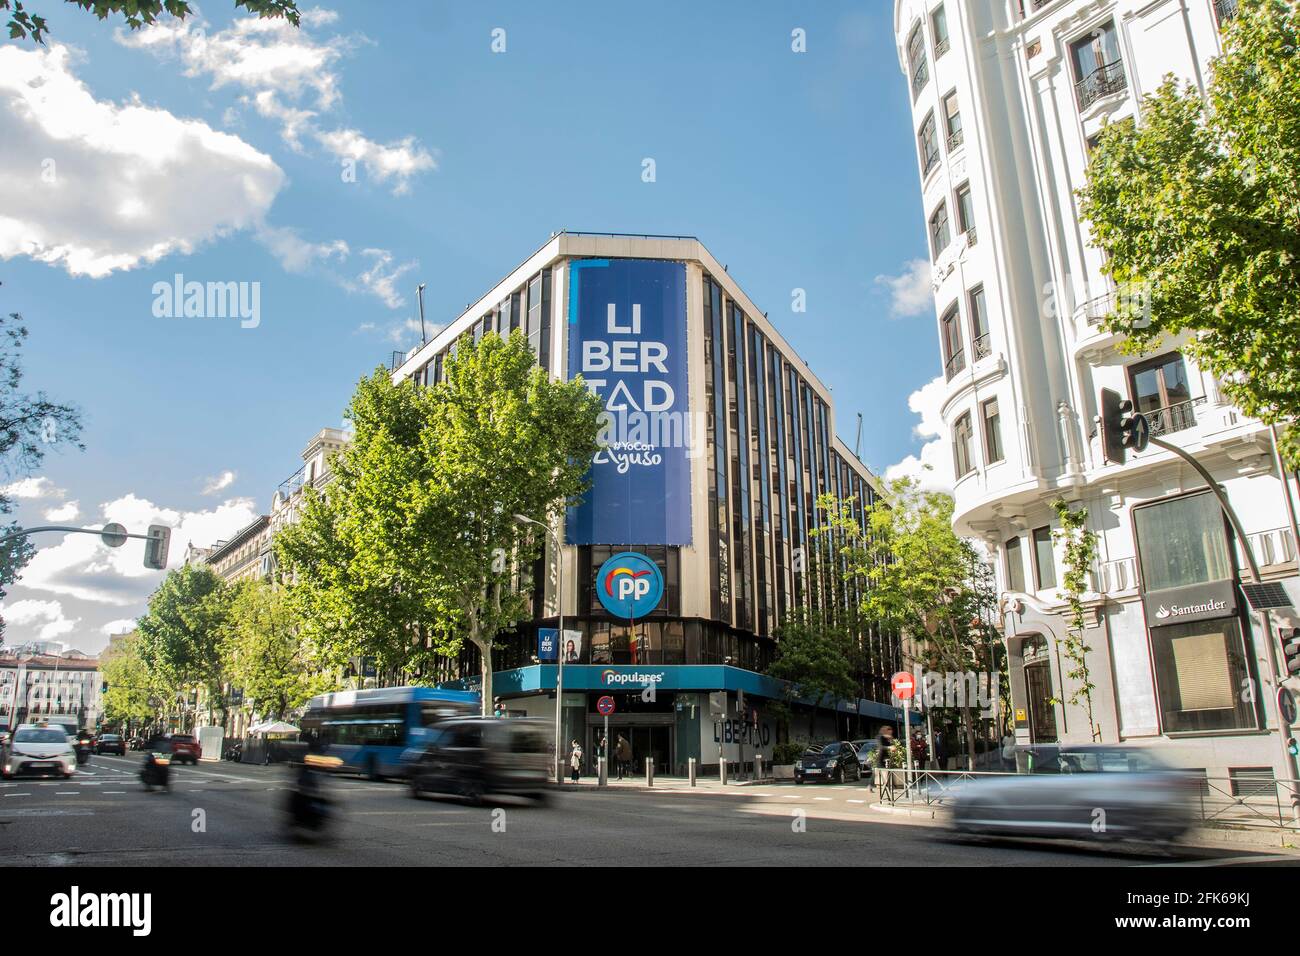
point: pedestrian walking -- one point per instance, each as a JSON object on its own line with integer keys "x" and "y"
{"x": 623, "y": 755}
{"x": 575, "y": 761}
{"x": 940, "y": 750}
{"x": 1009, "y": 751}
{"x": 883, "y": 743}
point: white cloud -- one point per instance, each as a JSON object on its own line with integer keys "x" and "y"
{"x": 381, "y": 278}
{"x": 95, "y": 186}
{"x": 64, "y": 512}
{"x": 295, "y": 253}
{"x": 122, "y": 625}
{"x": 932, "y": 468}
{"x": 282, "y": 67}
{"x": 81, "y": 566}
{"x": 218, "y": 483}
{"x": 34, "y": 620}
{"x": 910, "y": 293}
{"x": 32, "y": 488}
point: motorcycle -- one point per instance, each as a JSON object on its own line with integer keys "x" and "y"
{"x": 308, "y": 807}
{"x": 233, "y": 752}
{"x": 156, "y": 771}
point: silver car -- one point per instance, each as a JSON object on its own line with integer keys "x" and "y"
{"x": 1086, "y": 792}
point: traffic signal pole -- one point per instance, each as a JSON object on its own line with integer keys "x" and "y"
{"x": 1283, "y": 729}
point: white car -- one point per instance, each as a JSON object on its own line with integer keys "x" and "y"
{"x": 37, "y": 748}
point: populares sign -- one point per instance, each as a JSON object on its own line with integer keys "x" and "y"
{"x": 627, "y": 339}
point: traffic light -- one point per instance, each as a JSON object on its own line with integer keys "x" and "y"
{"x": 155, "y": 549}
{"x": 1291, "y": 650}
{"x": 103, "y": 688}
{"x": 497, "y": 707}
{"x": 1121, "y": 427}
{"x": 1291, "y": 747}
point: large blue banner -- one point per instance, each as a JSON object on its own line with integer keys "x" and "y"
{"x": 627, "y": 338}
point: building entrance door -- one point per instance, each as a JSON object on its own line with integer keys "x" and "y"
{"x": 1042, "y": 714}
{"x": 647, "y": 740}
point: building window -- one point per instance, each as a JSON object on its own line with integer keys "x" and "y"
{"x": 1161, "y": 391}
{"x": 939, "y": 234}
{"x": 1200, "y": 669}
{"x": 928, "y": 141}
{"x": 1044, "y": 560}
{"x": 1015, "y": 565}
{"x": 963, "y": 442}
{"x": 916, "y": 59}
{"x": 966, "y": 213}
{"x": 1182, "y": 542}
{"x": 952, "y": 121}
{"x": 1098, "y": 69}
{"x": 1225, "y": 10}
{"x": 954, "y": 356}
{"x": 939, "y": 25}
{"x": 992, "y": 431}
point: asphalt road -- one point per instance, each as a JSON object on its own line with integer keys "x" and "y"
{"x": 229, "y": 814}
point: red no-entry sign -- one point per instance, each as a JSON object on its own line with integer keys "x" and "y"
{"x": 903, "y": 684}
{"x": 605, "y": 706}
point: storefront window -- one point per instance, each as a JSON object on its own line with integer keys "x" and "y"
{"x": 1201, "y": 673}
{"x": 1182, "y": 542}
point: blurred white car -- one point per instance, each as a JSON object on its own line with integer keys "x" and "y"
{"x": 1087, "y": 792}
{"x": 39, "y": 749}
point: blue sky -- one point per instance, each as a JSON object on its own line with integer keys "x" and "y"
{"x": 220, "y": 155}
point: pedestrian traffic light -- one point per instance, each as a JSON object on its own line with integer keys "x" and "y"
{"x": 155, "y": 550}
{"x": 1291, "y": 650}
{"x": 103, "y": 688}
{"x": 497, "y": 707}
{"x": 1291, "y": 747}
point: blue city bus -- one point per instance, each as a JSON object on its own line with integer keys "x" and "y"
{"x": 369, "y": 729}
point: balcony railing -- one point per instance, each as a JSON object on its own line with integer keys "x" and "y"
{"x": 955, "y": 139}
{"x": 1103, "y": 81}
{"x": 1099, "y": 307}
{"x": 1173, "y": 418}
{"x": 1225, "y": 10}
{"x": 942, "y": 45}
{"x": 982, "y": 347}
{"x": 920, "y": 76}
{"x": 972, "y": 236}
{"x": 954, "y": 364}
{"x": 930, "y": 161}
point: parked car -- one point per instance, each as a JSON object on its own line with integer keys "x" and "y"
{"x": 866, "y": 751}
{"x": 472, "y": 757}
{"x": 1087, "y": 792}
{"x": 110, "y": 744}
{"x": 836, "y": 761}
{"x": 185, "y": 748}
{"x": 39, "y": 749}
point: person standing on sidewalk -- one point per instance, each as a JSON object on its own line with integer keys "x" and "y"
{"x": 575, "y": 761}
{"x": 623, "y": 754}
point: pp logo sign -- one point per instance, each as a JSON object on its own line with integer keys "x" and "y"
{"x": 629, "y": 585}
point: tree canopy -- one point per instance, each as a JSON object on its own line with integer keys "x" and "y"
{"x": 1198, "y": 205}
{"x": 23, "y": 23}
{"x": 180, "y": 634}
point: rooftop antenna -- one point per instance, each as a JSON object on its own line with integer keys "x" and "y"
{"x": 857, "y": 442}
{"x": 419, "y": 295}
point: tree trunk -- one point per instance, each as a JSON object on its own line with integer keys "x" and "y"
{"x": 485, "y": 671}
{"x": 970, "y": 737}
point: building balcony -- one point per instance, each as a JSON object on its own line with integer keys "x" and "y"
{"x": 944, "y": 45}
{"x": 1098, "y": 308}
{"x": 1173, "y": 418}
{"x": 972, "y": 236}
{"x": 955, "y": 139}
{"x": 1106, "y": 79}
{"x": 982, "y": 347}
{"x": 954, "y": 365}
{"x": 1224, "y": 11}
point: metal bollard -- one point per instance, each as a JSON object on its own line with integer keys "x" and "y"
{"x": 722, "y": 771}
{"x": 690, "y": 770}
{"x": 649, "y": 772}
{"x": 602, "y": 770}
{"x": 758, "y": 767}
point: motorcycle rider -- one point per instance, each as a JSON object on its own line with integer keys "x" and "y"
{"x": 156, "y": 771}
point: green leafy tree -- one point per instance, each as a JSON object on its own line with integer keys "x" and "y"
{"x": 136, "y": 13}
{"x": 505, "y": 439}
{"x": 353, "y": 560}
{"x": 918, "y": 579}
{"x": 1198, "y": 205}
{"x": 413, "y": 549}
{"x": 816, "y": 657}
{"x": 1080, "y": 551}
{"x": 30, "y": 425}
{"x": 180, "y": 634}
{"x": 266, "y": 656}
{"x": 132, "y": 686}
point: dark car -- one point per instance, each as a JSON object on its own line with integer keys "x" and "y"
{"x": 836, "y": 761}
{"x": 110, "y": 744}
{"x": 471, "y": 757}
{"x": 184, "y": 748}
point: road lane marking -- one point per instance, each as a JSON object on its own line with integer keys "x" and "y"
{"x": 17, "y": 794}
{"x": 67, "y": 793}
{"x": 855, "y": 801}
{"x": 112, "y": 791}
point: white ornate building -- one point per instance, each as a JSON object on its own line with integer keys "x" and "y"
{"x": 1006, "y": 97}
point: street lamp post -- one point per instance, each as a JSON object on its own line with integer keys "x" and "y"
{"x": 559, "y": 643}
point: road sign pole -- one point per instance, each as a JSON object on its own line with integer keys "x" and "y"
{"x": 907, "y": 746}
